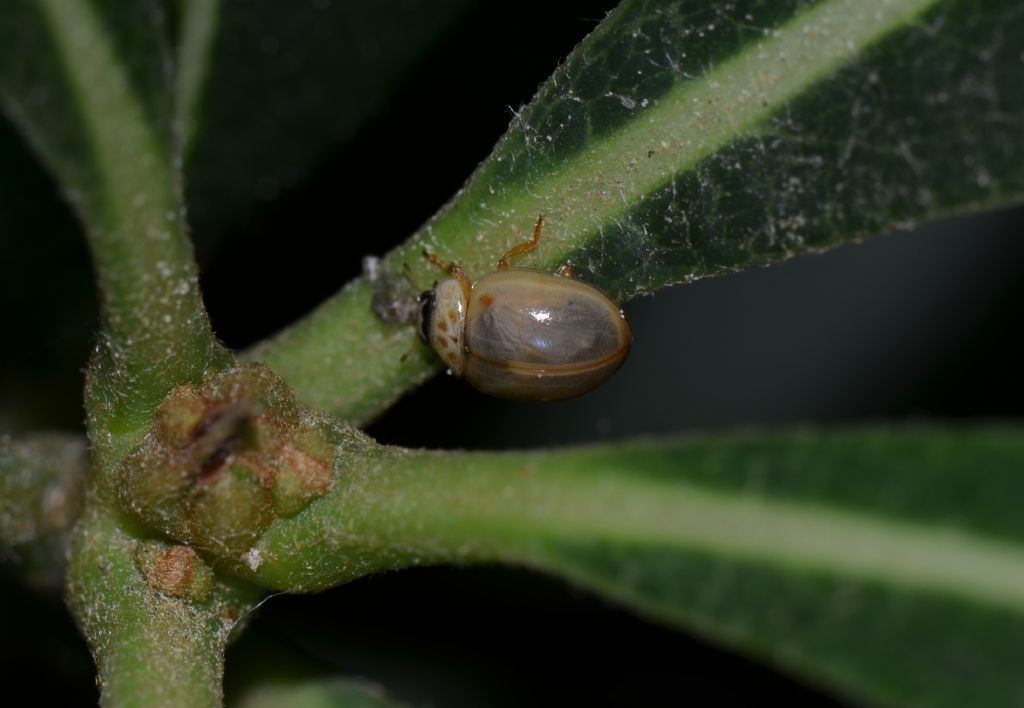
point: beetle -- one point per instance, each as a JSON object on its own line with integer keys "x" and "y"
{"x": 524, "y": 334}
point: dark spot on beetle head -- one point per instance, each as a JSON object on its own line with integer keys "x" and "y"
{"x": 427, "y": 301}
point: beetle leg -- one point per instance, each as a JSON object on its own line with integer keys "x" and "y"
{"x": 432, "y": 257}
{"x": 464, "y": 282}
{"x": 566, "y": 270}
{"x": 453, "y": 269}
{"x": 522, "y": 248}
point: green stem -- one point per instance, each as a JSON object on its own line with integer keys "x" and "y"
{"x": 152, "y": 648}
{"x": 342, "y": 358}
{"x": 156, "y": 333}
{"x": 407, "y": 508}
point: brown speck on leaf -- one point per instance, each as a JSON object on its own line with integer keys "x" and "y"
{"x": 525, "y": 472}
{"x": 486, "y": 300}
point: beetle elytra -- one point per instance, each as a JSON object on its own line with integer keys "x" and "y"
{"x": 524, "y": 334}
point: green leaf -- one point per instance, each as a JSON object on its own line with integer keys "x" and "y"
{"x": 314, "y": 693}
{"x": 888, "y": 565}
{"x": 266, "y": 672}
{"x": 683, "y": 140}
{"x": 267, "y": 88}
{"x": 87, "y": 84}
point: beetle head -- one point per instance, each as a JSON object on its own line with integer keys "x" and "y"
{"x": 427, "y": 299}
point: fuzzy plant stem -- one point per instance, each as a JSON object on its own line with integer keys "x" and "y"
{"x": 156, "y": 334}
{"x": 157, "y": 617}
{"x": 398, "y": 508}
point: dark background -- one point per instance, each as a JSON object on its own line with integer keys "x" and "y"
{"x": 918, "y": 325}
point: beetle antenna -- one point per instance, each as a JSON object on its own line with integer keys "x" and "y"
{"x": 447, "y": 268}
{"x": 409, "y": 274}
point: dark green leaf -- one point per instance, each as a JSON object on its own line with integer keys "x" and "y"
{"x": 686, "y": 139}
{"x": 268, "y": 88}
{"x": 315, "y": 693}
{"x": 888, "y": 565}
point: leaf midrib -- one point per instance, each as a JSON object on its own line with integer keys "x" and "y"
{"x": 691, "y": 121}
{"x": 804, "y": 536}
{"x": 933, "y": 558}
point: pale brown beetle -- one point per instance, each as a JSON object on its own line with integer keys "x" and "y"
{"x": 521, "y": 333}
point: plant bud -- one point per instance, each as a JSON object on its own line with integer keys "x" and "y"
{"x": 180, "y": 416}
{"x": 174, "y": 571}
{"x": 230, "y": 507}
{"x": 299, "y": 477}
{"x": 227, "y": 458}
